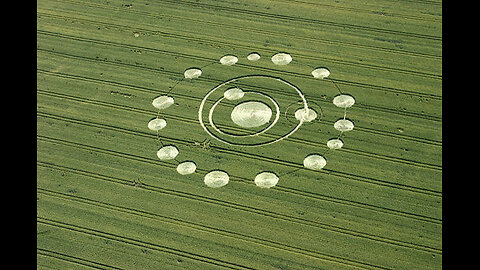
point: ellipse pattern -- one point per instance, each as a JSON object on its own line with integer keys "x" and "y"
{"x": 167, "y": 152}
{"x": 343, "y": 125}
{"x": 192, "y": 73}
{"x": 228, "y": 60}
{"x": 163, "y": 102}
{"x": 320, "y": 73}
{"x": 334, "y": 143}
{"x": 251, "y": 114}
{"x": 187, "y": 167}
{"x": 307, "y": 117}
{"x": 157, "y": 124}
{"x": 234, "y": 93}
{"x": 266, "y": 180}
{"x": 314, "y": 162}
{"x": 282, "y": 59}
{"x": 253, "y": 57}
{"x": 216, "y": 179}
{"x": 344, "y": 101}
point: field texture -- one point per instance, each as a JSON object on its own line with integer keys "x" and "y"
{"x": 105, "y": 200}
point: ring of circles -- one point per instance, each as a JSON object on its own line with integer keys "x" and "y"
{"x": 250, "y": 114}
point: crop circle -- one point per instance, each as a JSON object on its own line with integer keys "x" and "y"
{"x": 282, "y": 59}
{"x": 236, "y": 116}
{"x": 157, "y": 124}
{"x": 321, "y": 73}
{"x": 335, "y": 144}
{"x": 253, "y": 57}
{"x": 228, "y": 60}
{"x": 251, "y": 114}
{"x": 163, "y": 102}
{"x": 167, "y": 152}
{"x": 305, "y": 115}
{"x": 314, "y": 162}
{"x": 248, "y": 117}
{"x": 343, "y": 125}
{"x": 192, "y": 73}
{"x": 215, "y": 136}
{"x": 266, "y": 180}
{"x": 187, "y": 167}
{"x": 216, "y": 179}
{"x": 233, "y": 93}
{"x": 344, "y": 101}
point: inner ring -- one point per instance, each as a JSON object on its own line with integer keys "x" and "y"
{"x": 277, "y": 116}
{"x": 204, "y": 100}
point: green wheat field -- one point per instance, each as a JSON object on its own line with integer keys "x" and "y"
{"x": 106, "y": 201}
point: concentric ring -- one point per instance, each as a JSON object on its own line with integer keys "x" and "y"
{"x": 277, "y": 116}
{"x": 202, "y": 104}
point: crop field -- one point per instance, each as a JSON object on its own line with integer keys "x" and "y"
{"x": 243, "y": 134}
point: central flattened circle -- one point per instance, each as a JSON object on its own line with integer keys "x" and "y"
{"x": 251, "y": 114}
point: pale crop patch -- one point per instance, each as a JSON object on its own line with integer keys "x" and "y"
{"x": 335, "y": 143}
{"x": 314, "y": 162}
{"x": 216, "y": 179}
{"x": 305, "y": 115}
{"x": 343, "y": 101}
{"x": 266, "y": 180}
{"x": 187, "y": 167}
{"x": 163, "y": 102}
{"x": 343, "y": 125}
{"x": 192, "y": 73}
{"x": 251, "y": 114}
{"x": 228, "y": 60}
{"x": 167, "y": 152}
{"x": 233, "y": 93}
{"x": 157, "y": 124}
{"x": 282, "y": 59}
{"x": 253, "y": 57}
{"x": 321, "y": 73}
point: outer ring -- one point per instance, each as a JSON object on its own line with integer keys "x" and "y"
{"x": 202, "y": 104}
{"x": 277, "y": 116}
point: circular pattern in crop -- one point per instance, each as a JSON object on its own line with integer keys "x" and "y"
{"x": 246, "y": 112}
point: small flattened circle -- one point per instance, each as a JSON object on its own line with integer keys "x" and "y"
{"x": 321, "y": 73}
{"x": 229, "y": 60}
{"x": 163, "y": 102}
{"x": 157, "y": 124}
{"x": 251, "y": 114}
{"x": 187, "y": 167}
{"x": 314, "y": 162}
{"x": 335, "y": 143}
{"x": 167, "y": 152}
{"x": 192, "y": 73}
{"x": 343, "y": 125}
{"x": 306, "y": 117}
{"x": 282, "y": 59}
{"x": 233, "y": 93}
{"x": 344, "y": 101}
{"x": 266, "y": 180}
{"x": 253, "y": 57}
{"x": 216, "y": 179}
